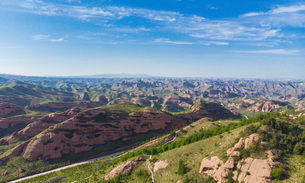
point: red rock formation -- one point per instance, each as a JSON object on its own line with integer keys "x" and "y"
{"x": 95, "y": 127}
{"x": 250, "y": 170}
{"x": 37, "y": 126}
{"x": 8, "y": 109}
{"x": 57, "y": 107}
{"x": 210, "y": 110}
{"x": 13, "y": 121}
{"x": 83, "y": 96}
{"x": 11, "y": 125}
{"x": 268, "y": 106}
{"x": 123, "y": 169}
{"x": 102, "y": 100}
{"x": 177, "y": 104}
{"x": 15, "y": 100}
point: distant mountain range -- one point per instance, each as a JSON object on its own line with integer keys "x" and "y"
{"x": 119, "y": 75}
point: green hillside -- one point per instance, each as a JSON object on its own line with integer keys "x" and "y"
{"x": 192, "y": 145}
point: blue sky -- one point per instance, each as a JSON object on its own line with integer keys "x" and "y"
{"x": 193, "y": 38}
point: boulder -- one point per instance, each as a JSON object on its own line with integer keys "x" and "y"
{"x": 122, "y": 169}
{"x": 251, "y": 139}
{"x": 229, "y": 164}
{"x": 255, "y": 171}
{"x": 159, "y": 165}
{"x": 235, "y": 154}
{"x": 209, "y": 166}
{"x": 240, "y": 144}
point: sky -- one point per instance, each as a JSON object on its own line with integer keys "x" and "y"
{"x": 178, "y": 38}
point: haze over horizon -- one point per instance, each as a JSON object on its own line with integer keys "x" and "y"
{"x": 173, "y": 38}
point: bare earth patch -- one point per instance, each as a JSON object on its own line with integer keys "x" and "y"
{"x": 160, "y": 164}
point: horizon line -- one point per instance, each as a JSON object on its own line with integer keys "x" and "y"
{"x": 142, "y": 76}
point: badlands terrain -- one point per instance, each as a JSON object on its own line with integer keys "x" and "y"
{"x": 165, "y": 129}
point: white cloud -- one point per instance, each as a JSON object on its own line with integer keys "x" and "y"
{"x": 288, "y": 9}
{"x": 254, "y": 26}
{"x": 45, "y": 37}
{"x": 252, "y": 14}
{"x": 206, "y": 43}
{"x": 130, "y": 29}
{"x": 280, "y": 16}
{"x": 219, "y": 43}
{"x": 57, "y": 40}
{"x": 271, "y": 51}
{"x": 41, "y": 36}
{"x": 167, "y": 41}
{"x": 73, "y": 1}
{"x": 230, "y": 31}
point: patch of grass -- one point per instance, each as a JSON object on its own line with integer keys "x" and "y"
{"x": 143, "y": 175}
{"x": 18, "y": 167}
{"x": 5, "y": 148}
{"x": 278, "y": 173}
{"x": 126, "y": 107}
{"x": 296, "y": 164}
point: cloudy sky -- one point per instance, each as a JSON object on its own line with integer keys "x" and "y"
{"x": 211, "y": 38}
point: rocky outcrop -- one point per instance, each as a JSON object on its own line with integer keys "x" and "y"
{"x": 177, "y": 104}
{"x": 123, "y": 169}
{"x": 216, "y": 168}
{"x": 84, "y": 96}
{"x": 11, "y": 125}
{"x": 207, "y": 109}
{"x": 258, "y": 105}
{"x": 254, "y": 171}
{"x": 216, "y": 93}
{"x": 102, "y": 100}
{"x": 243, "y": 143}
{"x": 58, "y": 107}
{"x": 141, "y": 101}
{"x": 97, "y": 127}
{"x": 247, "y": 170}
{"x": 40, "y": 124}
{"x": 8, "y": 110}
{"x": 11, "y": 122}
{"x": 15, "y": 100}
{"x": 268, "y": 106}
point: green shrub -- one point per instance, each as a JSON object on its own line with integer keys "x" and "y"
{"x": 278, "y": 173}
{"x": 299, "y": 148}
{"x": 198, "y": 179}
{"x": 143, "y": 175}
{"x": 182, "y": 168}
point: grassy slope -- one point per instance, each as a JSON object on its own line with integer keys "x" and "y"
{"x": 296, "y": 164}
{"x": 126, "y": 107}
{"x": 192, "y": 155}
{"x": 202, "y": 124}
{"x": 195, "y": 151}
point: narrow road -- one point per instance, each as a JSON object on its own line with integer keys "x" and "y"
{"x": 176, "y": 134}
{"x": 150, "y": 167}
{"x": 66, "y": 167}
